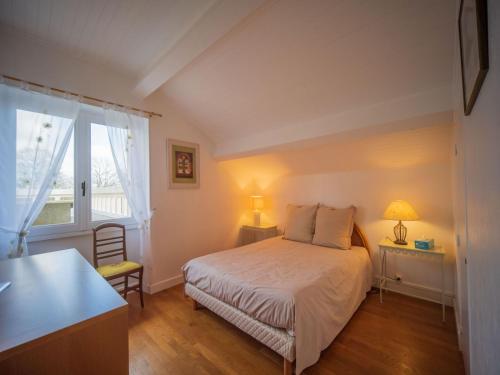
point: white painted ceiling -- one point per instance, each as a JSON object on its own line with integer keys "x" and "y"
{"x": 297, "y": 69}
{"x": 127, "y": 35}
{"x": 255, "y": 74}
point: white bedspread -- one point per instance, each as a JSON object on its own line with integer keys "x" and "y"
{"x": 309, "y": 290}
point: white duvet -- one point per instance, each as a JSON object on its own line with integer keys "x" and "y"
{"x": 311, "y": 291}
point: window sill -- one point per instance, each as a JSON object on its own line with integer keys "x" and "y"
{"x": 54, "y": 236}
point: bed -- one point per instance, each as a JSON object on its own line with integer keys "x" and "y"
{"x": 291, "y": 296}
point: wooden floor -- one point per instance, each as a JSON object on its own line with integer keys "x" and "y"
{"x": 401, "y": 336}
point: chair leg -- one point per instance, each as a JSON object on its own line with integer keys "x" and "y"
{"x": 125, "y": 289}
{"x": 140, "y": 288}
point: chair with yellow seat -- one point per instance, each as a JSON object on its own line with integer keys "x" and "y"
{"x": 111, "y": 246}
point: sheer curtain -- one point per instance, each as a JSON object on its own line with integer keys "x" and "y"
{"x": 36, "y": 130}
{"x": 129, "y": 138}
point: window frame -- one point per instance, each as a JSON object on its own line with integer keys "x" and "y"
{"x": 83, "y": 223}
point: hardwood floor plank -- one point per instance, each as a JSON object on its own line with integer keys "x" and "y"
{"x": 403, "y": 335}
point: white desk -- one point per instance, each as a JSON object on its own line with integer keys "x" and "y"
{"x": 386, "y": 246}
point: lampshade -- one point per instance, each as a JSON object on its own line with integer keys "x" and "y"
{"x": 257, "y": 202}
{"x": 400, "y": 210}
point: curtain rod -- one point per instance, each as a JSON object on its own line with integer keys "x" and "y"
{"x": 85, "y": 97}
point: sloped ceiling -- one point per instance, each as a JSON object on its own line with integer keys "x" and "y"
{"x": 254, "y": 75}
{"x": 298, "y": 70}
{"x": 128, "y": 35}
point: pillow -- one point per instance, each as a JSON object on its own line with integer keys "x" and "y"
{"x": 300, "y": 223}
{"x": 334, "y": 227}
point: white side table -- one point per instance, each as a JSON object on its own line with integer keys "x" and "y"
{"x": 387, "y": 245}
{"x": 252, "y": 233}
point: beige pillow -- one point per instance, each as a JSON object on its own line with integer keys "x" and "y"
{"x": 334, "y": 227}
{"x": 300, "y": 223}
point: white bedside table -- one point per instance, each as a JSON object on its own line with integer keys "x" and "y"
{"x": 389, "y": 246}
{"x": 251, "y": 233}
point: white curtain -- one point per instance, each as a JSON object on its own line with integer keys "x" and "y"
{"x": 129, "y": 138}
{"x": 35, "y": 133}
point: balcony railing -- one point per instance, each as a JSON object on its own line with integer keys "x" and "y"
{"x": 110, "y": 205}
{"x": 107, "y": 204}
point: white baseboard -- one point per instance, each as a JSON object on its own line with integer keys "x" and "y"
{"x": 165, "y": 284}
{"x": 418, "y": 291}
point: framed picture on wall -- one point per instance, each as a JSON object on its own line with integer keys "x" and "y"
{"x": 183, "y": 160}
{"x": 473, "y": 34}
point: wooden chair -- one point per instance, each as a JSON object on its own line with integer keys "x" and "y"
{"x": 108, "y": 247}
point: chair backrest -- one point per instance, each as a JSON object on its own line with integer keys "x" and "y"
{"x": 109, "y": 246}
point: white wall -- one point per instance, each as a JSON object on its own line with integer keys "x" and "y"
{"x": 459, "y": 214}
{"x": 478, "y": 138}
{"x": 369, "y": 173}
{"x": 190, "y": 222}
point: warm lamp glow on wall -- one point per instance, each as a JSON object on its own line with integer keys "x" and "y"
{"x": 400, "y": 211}
{"x": 257, "y": 206}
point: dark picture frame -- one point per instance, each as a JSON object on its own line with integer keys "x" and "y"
{"x": 183, "y": 162}
{"x": 473, "y": 35}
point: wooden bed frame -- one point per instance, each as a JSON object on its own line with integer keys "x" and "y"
{"x": 357, "y": 239}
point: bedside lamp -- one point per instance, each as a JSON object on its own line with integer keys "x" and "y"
{"x": 400, "y": 211}
{"x": 257, "y": 206}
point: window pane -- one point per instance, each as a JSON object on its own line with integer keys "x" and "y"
{"x": 30, "y": 157}
{"x": 108, "y": 199}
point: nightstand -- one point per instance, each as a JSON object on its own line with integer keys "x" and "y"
{"x": 387, "y": 245}
{"x": 251, "y": 233}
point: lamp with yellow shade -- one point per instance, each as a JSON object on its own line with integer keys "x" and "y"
{"x": 401, "y": 211}
{"x": 257, "y": 206}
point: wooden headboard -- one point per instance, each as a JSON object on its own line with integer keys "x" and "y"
{"x": 358, "y": 238}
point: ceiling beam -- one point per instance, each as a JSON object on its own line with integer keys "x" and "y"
{"x": 432, "y": 107}
{"x": 213, "y": 25}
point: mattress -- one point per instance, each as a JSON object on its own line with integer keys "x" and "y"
{"x": 310, "y": 291}
{"x": 274, "y": 338}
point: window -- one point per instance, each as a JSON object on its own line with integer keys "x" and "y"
{"x": 108, "y": 199}
{"x": 59, "y": 206}
{"x": 87, "y": 189}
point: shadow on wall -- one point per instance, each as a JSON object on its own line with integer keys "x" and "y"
{"x": 402, "y": 153}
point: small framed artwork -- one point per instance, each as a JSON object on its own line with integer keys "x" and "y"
{"x": 183, "y": 161}
{"x": 473, "y": 33}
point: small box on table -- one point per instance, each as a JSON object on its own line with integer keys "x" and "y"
{"x": 426, "y": 244}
